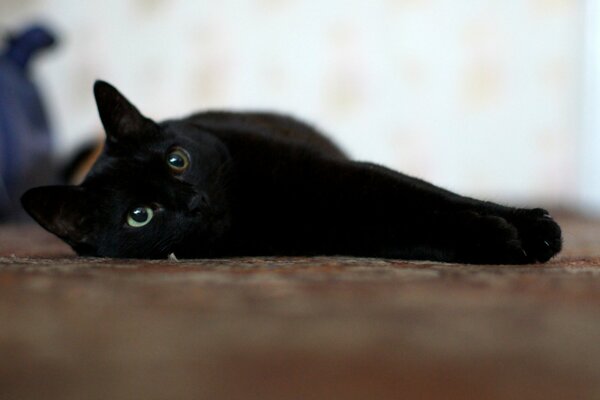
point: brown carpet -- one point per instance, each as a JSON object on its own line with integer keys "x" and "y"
{"x": 297, "y": 328}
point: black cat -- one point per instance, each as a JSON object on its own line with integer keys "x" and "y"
{"x": 231, "y": 184}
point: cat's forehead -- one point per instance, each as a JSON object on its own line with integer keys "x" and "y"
{"x": 134, "y": 179}
{"x": 133, "y": 166}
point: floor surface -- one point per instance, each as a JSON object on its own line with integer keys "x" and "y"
{"x": 297, "y": 328}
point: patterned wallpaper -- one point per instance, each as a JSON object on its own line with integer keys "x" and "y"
{"x": 477, "y": 96}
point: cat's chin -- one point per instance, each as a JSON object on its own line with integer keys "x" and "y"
{"x": 84, "y": 250}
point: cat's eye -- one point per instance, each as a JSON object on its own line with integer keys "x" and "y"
{"x": 178, "y": 160}
{"x": 139, "y": 216}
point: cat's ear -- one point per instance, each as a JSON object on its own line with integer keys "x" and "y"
{"x": 61, "y": 210}
{"x": 122, "y": 120}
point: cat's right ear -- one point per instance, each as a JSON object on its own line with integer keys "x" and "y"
{"x": 122, "y": 121}
{"x": 61, "y": 210}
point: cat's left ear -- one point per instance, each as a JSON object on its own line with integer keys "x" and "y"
{"x": 61, "y": 210}
{"x": 122, "y": 120}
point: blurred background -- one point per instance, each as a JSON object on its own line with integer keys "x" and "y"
{"x": 494, "y": 99}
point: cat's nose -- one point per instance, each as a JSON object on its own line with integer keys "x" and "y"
{"x": 198, "y": 201}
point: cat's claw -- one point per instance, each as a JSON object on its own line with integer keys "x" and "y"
{"x": 524, "y": 252}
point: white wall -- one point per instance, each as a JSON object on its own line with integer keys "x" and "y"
{"x": 589, "y": 154}
{"x": 482, "y": 97}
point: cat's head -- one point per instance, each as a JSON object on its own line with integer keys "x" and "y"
{"x": 154, "y": 188}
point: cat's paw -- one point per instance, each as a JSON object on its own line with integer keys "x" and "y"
{"x": 525, "y": 236}
{"x": 540, "y": 235}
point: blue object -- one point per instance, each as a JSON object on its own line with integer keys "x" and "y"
{"x": 25, "y": 136}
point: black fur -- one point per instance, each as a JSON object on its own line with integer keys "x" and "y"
{"x": 267, "y": 184}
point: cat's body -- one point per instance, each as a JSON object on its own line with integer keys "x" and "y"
{"x": 231, "y": 184}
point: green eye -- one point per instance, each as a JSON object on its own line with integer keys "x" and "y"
{"x": 139, "y": 216}
{"x": 178, "y": 160}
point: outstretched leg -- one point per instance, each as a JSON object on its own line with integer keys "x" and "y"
{"x": 445, "y": 226}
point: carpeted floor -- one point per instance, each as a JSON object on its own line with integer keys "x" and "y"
{"x": 297, "y": 328}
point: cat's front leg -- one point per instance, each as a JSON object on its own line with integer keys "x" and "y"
{"x": 405, "y": 217}
{"x": 502, "y": 235}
